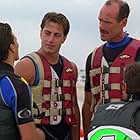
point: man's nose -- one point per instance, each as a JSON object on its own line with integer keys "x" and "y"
{"x": 51, "y": 37}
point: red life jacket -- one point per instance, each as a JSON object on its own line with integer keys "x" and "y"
{"x": 107, "y": 81}
{"x": 54, "y": 97}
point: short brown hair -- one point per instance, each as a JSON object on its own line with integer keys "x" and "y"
{"x": 56, "y": 18}
{"x": 132, "y": 77}
{"x": 124, "y": 8}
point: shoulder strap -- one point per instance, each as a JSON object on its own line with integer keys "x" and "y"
{"x": 36, "y": 58}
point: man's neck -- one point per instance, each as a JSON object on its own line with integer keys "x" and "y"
{"x": 10, "y": 62}
{"x": 51, "y": 58}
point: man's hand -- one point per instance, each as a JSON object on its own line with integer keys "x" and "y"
{"x": 40, "y": 133}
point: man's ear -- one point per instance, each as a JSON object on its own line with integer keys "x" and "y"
{"x": 64, "y": 38}
{"x": 125, "y": 88}
{"x": 12, "y": 48}
{"x": 124, "y": 91}
{"x": 123, "y": 22}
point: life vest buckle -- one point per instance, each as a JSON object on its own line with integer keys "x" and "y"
{"x": 39, "y": 114}
{"x": 60, "y": 97}
{"x": 107, "y": 86}
{"x": 58, "y": 83}
{"x": 105, "y": 69}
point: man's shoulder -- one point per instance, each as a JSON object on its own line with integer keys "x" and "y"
{"x": 11, "y": 79}
{"x": 26, "y": 59}
{"x": 100, "y": 47}
{"x": 8, "y": 74}
{"x": 134, "y": 42}
{"x": 68, "y": 61}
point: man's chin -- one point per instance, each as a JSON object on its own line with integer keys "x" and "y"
{"x": 103, "y": 39}
{"x": 17, "y": 58}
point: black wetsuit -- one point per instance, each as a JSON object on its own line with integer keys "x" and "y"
{"x": 124, "y": 114}
{"x": 15, "y": 103}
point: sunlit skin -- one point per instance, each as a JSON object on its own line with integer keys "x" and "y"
{"x": 52, "y": 37}
{"x": 109, "y": 27}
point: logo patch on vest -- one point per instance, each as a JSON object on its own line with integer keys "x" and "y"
{"x": 24, "y": 113}
{"x": 114, "y": 106}
{"x": 124, "y": 56}
{"x": 69, "y": 70}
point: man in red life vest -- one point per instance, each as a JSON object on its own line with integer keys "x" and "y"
{"x": 53, "y": 80}
{"x": 106, "y": 64}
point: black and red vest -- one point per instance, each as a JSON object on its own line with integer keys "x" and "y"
{"x": 107, "y": 80}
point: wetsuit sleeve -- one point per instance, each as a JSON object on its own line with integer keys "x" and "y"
{"x": 88, "y": 68}
{"x": 16, "y": 95}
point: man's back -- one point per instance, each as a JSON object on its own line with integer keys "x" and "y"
{"x": 115, "y": 121}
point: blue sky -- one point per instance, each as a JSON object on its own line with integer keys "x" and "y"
{"x": 25, "y": 17}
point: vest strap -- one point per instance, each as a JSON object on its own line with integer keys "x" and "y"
{"x": 56, "y": 112}
{"x": 57, "y": 97}
{"x": 38, "y": 61}
{"x": 104, "y": 70}
{"x": 113, "y": 86}
{"x": 56, "y": 83}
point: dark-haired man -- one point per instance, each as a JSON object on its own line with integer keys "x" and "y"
{"x": 16, "y": 122}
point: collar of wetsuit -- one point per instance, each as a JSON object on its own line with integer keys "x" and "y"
{"x": 119, "y": 44}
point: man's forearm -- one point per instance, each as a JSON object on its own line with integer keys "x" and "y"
{"x": 86, "y": 114}
{"x": 76, "y": 128}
